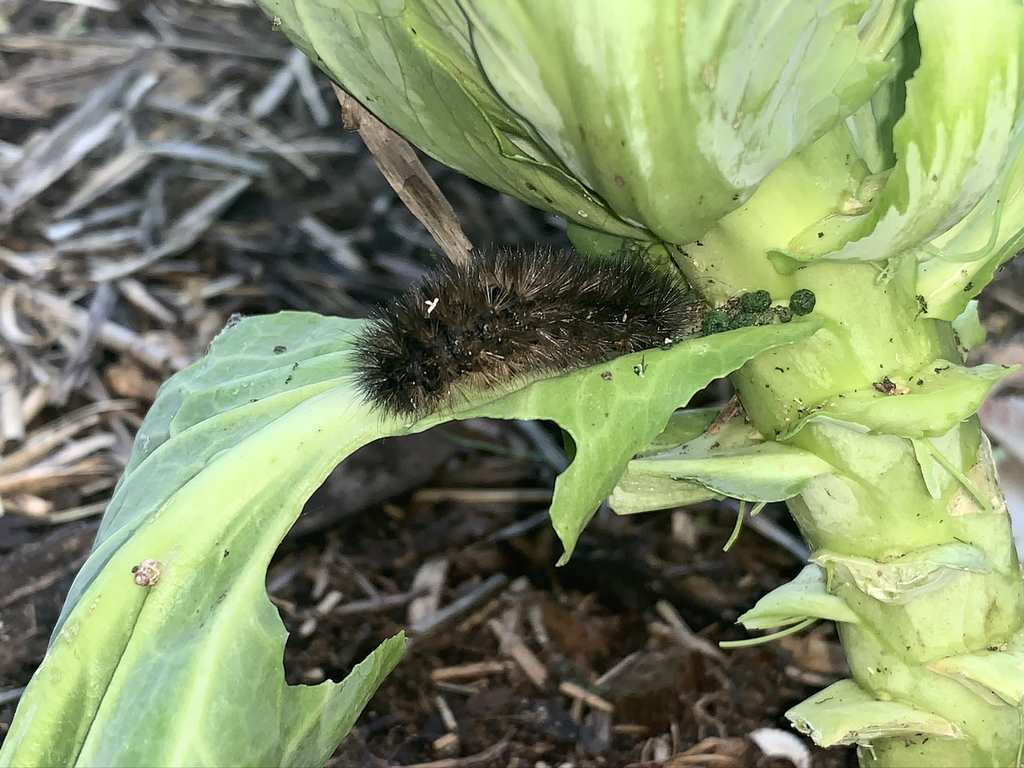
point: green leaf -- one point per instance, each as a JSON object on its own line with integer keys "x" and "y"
{"x": 638, "y": 493}
{"x": 412, "y": 64}
{"x": 806, "y": 596}
{"x": 564, "y": 106}
{"x": 928, "y": 403}
{"x": 157, "y": 675}
{"x": 959, "y": 263}
{"x": 254, "y": 373}
{"x": 900, "y": 579}
{"x": 962, "y": 106}
{"x": 683, "y": 426}
{"x": 592, "y": 242}
{"x": 221, "y": 467}
{"x": 995, "y": 675}
{"x": 635, "y": 493}
{"x": 735, "y": 461}
{"x": 937, "y": 478}
{"x": 613, "y": 411}
{"x": 889, "y": 31}
{"x": 844, "y": 713}
{"x": 970, "y": 333}
{"x": 637, "y": 96}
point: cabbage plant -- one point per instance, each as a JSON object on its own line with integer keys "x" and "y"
{"x": 868, "y": 152}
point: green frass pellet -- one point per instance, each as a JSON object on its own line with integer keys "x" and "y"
{"x": 716, "y": 321}
{"x": 802, "y": 302}
{"x": 755, "y": 301}
{"x": 742, "y": 320}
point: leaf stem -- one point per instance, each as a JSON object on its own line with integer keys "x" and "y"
{"x": 740, "y": 514}
{"x": 799, "y": 627}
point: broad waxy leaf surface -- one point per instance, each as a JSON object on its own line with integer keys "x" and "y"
{"x": 412, "y": 64}
{"x": 614, "y": 410}
{"x": 599, "y": 110}
{"x": 963, "y": 104}
{"x": 804, "y": 597}
{"x": 229, "y": 453}
{"x": 733, "y": 461}
{"x": 845, "y": 713}
{"x": 928, "y": 403}
{"x": 159, "y": 676}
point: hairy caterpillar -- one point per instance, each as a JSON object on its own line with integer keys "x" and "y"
{"x": 511, "y": 314}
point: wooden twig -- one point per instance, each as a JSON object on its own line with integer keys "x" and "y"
{"x": 685, "y": 636}
{"x": 513, "y": 646}
{"x": 147, "y": 350}
{"x": 407, "y": 176}
{"x": 377, "y": 604}
{"x": 12, "y": 425}
{"x": 482, "y": 495}
{"x": 574, "y": 691}
{"x": 470, "y": 671}
{"x": 486, "y": 590}
{"x": 481, "y": 758}
{"x": 429, "y": 581}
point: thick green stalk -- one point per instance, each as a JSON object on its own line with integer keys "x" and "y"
{"x": 877, "y": 505}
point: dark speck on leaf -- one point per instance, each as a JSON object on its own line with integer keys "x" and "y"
{"x": 968, "y": 286}
{"x": 821, "y": 235}
{"x": 226, "y": 553}
{"x": 886, "y": 386}
{"x": 254, "y": 400}
{"x": 699, "y": 243}
{"x": 779, "y": 369}
{"x": 606, "y": 375}
{"x": 288, "y": 380}
{"x": 294, "y": 366}
{"x": 940, "y": 370}
{"x": 920, "y": 382}
{"x": 280, "y": 348}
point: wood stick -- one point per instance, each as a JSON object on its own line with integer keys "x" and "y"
{"x": 407, "y": 176}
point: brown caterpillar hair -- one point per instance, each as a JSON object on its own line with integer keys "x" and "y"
{"x": 510, "y": 315}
